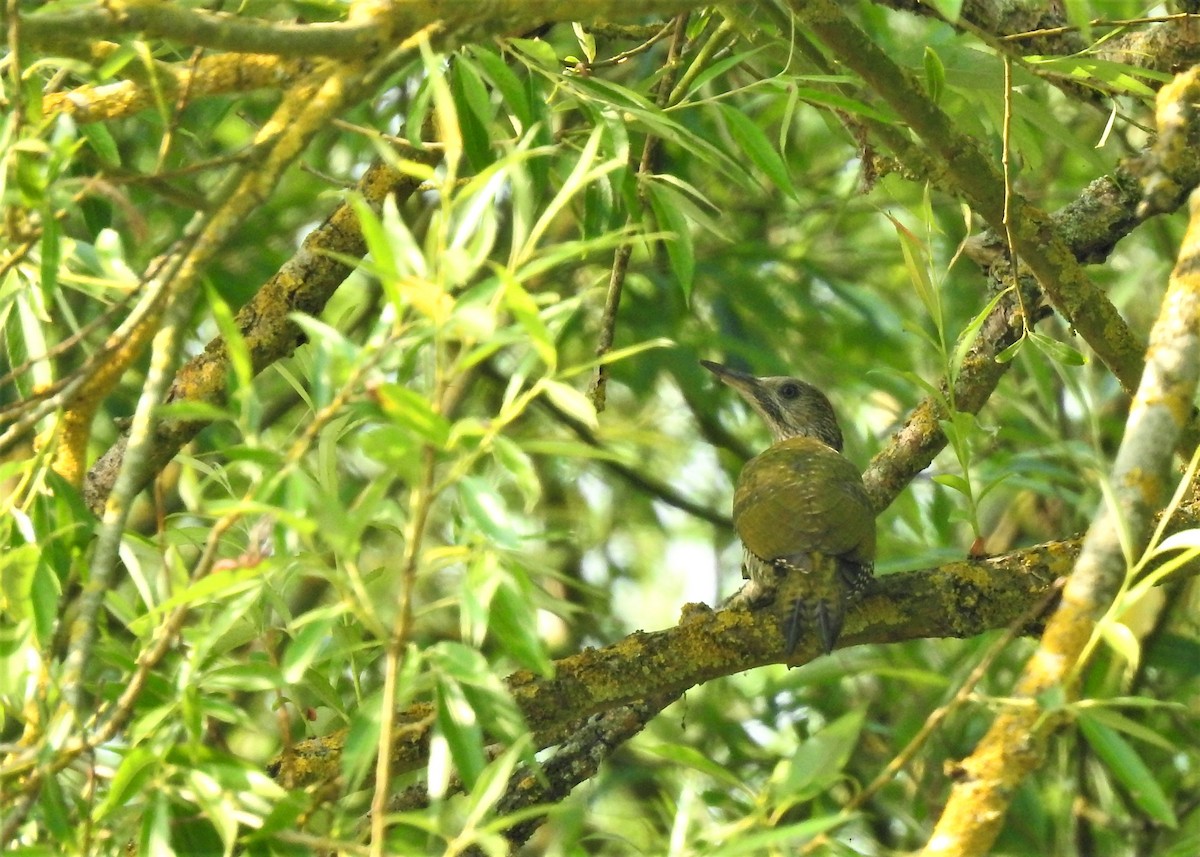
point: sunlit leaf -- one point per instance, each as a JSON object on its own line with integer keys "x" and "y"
{"x": 514, "y": 623}
{"x": 571, "y": 401}
{"x": 305, "y": 647}
{"x": 1057, "y": 351}
{"x": 459, "y": 727}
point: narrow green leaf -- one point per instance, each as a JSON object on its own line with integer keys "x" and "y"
{"x": 820, "y": 760}
{"x": 642, "y": 115}
{"x": 114, "y": 62}
{"x": 216, "y": 805}
{"x": 138, "y": 765}
{"x": 1138, "y": 780}
{"x": 680, "y": 251}
{"x": 34, "y": 323}
{"x": 155, "y": 840}
{"x": 1057, "y": 351}
{"x": 837, "y": 101}
{"x": 474, "y": 110}
{"x": 570, "y": 401}
{"x": 586, "y": 170}
{"x": 502, "y": 78}
{"x": 362, "y": 742}
{"x": 783, "y": 838}
{"x": 305, "y": 647}
{"x": 18, "y": 571}
{"x": 587, "y": 42}
{"x": 525, "y": 310}
{"x": 255, "y": 676}
{"x": 916, "y": 257}
{"x": 967, "y": 338}
{"x": 492, "y": 783}
{"x": 1011, "y": 351}
{"x": 412, "y": 411}
{"x": 754, "y": 142}
{"x": 485, "y": 509}
{"x": 1183, "y": 540}
{"x": 193, "y": 410}
{"x": 1107, "y": 716}
{"x": 935, "y": 72}
{"x": 378, "y": 245}
{"x": 538, "y": 52}
{"x": 235, "y": 344}
{"x": 518, "y": 467}
{"x": 690, "y": 757}
{"x": 717, "y": 69}
{"x": 208, "y": 589}
{"x": 444, "y": 109}
{"x": 102, "y": 143}
{"x": 51, "y": 252}
{"x": 1123, "y": 641}
{"x": 459, "y": 726}
{"x": 514, "y": 624}
{"x": 953, "y": 480}
{"x": 695, "y": 206}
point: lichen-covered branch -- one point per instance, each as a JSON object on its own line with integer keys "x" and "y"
{"x": 303, "y": 284}
{"x": 282, "y": 139}
{"x": 1162, "y": 44}
{"x": 921, "y": 438}
{"x": 210, "y": 75}
{"x": 1034, "y": 237}
{"x": 359, "y": 40}
{"x": 956, "y": 600}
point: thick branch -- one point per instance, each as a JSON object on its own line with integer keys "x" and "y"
{"x": 211, "y": 75}
{"x": 956, "y": 600}
{"x": 340, "y": 40}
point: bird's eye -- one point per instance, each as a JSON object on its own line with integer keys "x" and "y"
{"x": 790, "y": 390}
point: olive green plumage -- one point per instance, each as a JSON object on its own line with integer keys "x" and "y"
{"x": 800, "y": 508}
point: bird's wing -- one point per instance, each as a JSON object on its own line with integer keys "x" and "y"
{"x": 800, "y": 496}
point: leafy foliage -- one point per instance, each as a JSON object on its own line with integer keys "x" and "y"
{"x": 424, "y": 499}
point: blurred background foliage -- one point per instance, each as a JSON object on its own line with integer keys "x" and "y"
{"x": 438, "y": 419}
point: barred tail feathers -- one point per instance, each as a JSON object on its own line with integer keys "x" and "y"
{"x": 815, "y": 592}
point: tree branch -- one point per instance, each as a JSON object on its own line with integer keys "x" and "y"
{"x": 304, "y": 284}
{"x": 959, "y": 599}
{"x": 212, "y": 75}
{"x": 1035, "y": 239}
{"x": 339, "y": 40}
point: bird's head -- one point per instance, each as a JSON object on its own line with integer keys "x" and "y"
{"x": 790, "y": 407}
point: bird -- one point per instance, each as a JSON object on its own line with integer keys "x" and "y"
{"x": 805, "y": 521}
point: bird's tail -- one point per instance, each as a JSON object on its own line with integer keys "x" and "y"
{"x": 818, "y": 602}
{"x": 823, "y": 616}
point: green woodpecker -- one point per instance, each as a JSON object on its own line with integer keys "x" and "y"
{"x": 800, "y": 509}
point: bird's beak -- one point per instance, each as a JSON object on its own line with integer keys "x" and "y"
{"x": 743, "y": 382}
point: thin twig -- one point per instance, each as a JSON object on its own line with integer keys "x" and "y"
{"x": 1097, "y": 22}
{"x": 616, "y": 279}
